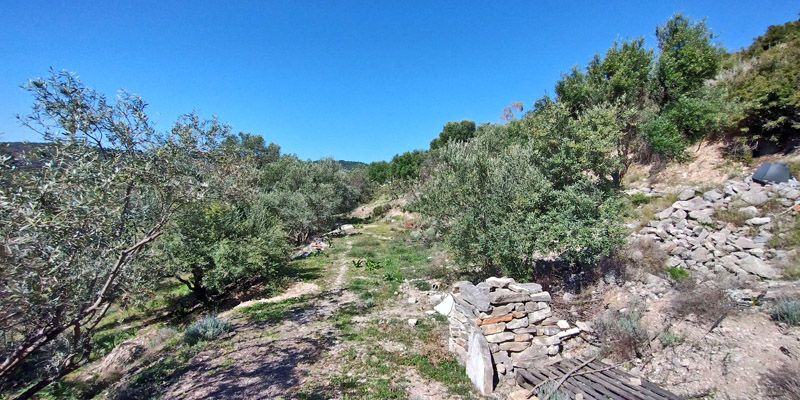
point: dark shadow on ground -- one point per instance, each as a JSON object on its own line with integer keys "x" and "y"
{"x": 250, "y": 364}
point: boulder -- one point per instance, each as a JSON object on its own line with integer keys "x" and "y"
{"x": 480, "y": 369}
{"x": 758, "y": 221}
{"x": 701, "y": 254}
{"x": 713, "y": 195}
{"x": 665, "y": 213}
{"x": 696, "y": 203}
{"x": 754, "y": 198}
{"x": 744, "y": 243}
{"x": 756, "y": 266}
{"x": 686, "y": 194}
{"x": 749, "y": 210}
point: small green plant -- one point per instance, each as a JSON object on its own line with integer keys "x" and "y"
{"x": 422, "y": 285}
{"x": 272, "y": 312}
{"x": 393, "y": 277}
{"x": 677, "y": 274}
{"x": 669, "y": 338}
{"x": 787, "y": 311}
{"x": 206, "y": 329}
{"x": 372, "y": 265}
{"x": 358, "y": 263}
{"x": 638, "y": 199}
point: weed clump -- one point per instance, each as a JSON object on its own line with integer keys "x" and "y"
{"x": 621, "y": 332}
{"x": 637, "y": 258}
{"x": 550, "y": 391}
{"x": 787, "y": 311}
{"x": 677, "y": 274}
{"x": 707, "y": 301}
{"x": 208, "y": 328}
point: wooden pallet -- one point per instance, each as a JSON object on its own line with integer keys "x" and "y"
{"x": 607, "y": 383}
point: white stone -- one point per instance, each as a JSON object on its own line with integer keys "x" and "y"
{"x": 479, "y": 364}
{"x": 758, "y": 221}
{"x": 412, "y": 321}
{"x": 499, "y": 282}
{"x": 412, "y": 300}
{"x": 563, "y": 324}
{"x": 446, "y": 306}
{"x": 754, "y": 198}
{"x": 517, "y": 323}
{"x": 568, "y": 333}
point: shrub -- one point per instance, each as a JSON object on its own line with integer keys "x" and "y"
{"x": 669, "y": 338}
{"x": 787, "y": 311}
{"x": 782, "y": 382}
{"x": 621, "y": 332}
{"x": 636, "y": 258}
{"x": 208, "y": 328}
{"x": 707, "y": 301}
{"x": 550, "y": 391}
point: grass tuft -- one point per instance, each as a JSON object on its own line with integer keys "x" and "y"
{"x": 787, "y": 311}
{"x": 208, "y": 328}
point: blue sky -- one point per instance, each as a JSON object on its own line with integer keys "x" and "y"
{"x": 355, "y": 80}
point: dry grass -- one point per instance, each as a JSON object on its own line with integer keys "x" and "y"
{"x": 783, "y": 382}
{"x": 645, "y": 213}
{"x": 708, "y": 301}
{"x": 731, "y": 216}
{"x": 635, "y": 259}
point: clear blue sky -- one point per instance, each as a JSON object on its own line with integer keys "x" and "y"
{"x": 355, "y": 80}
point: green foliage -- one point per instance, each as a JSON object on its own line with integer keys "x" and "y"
{"x": 787, "y": 311}
{"x": 765, "y": 79}
{"x": 677, "y": 274}
{"x": 687, "y": 57}
{"x": 393, "y": 277}
{"x": 208, "y": 328}
{"x": 550, "y": 391}
{"x": 78, "y": 224}
{"x": 454, "y": 132}
{"x": 670, "y": 339}
{"x": 503, "y": 206}
{"x": 372, "y": 265}
{"x": 422, "y": 285}
{"x": 638, "y": 199}
{"x": 216, "y": 244}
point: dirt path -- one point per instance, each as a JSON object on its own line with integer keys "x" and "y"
{"x": 265, "y": 360}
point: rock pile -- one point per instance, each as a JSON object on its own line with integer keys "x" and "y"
{"x": 499, "y": 325}
{"x": 697, "y": 241}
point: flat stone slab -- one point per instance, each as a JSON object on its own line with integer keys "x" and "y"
{"x": 446, "y": 306}
{"x": 498, "y": 298}
{"x": 472, "y": 295}
{"x": 479, "y": 364}
{"x": 530, "y": 288}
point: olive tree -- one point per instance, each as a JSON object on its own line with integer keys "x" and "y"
{"x": 503, "y": 207}
{"x": 77, "y": 223}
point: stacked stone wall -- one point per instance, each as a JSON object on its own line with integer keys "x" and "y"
{"x": 499, "y": 325}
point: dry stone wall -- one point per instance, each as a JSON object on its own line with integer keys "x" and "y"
{"x": 499, "y": 325}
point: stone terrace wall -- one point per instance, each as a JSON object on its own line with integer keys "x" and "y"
{"x": 499, "y": 325}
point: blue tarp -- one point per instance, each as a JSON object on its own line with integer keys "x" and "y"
{"x": 768, "y": 172}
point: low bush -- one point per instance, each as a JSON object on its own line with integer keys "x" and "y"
{"x": 782, "y": 382}
{"x": 621, "y": 332}
{"x": 208, "y": 328}
{"x": 635, "y": 259}
{"x": 550, "y": 391}
{"x": 707, "y": 301}
{"x": 787, "y": 311}
{"x": 669, "y": 338}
